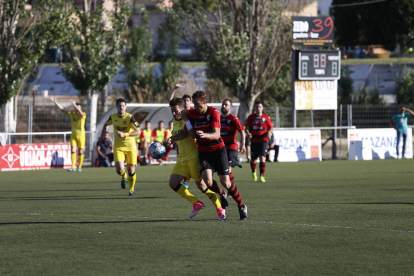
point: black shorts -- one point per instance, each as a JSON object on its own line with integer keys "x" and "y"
{"x": 247, "y": 140}
{"x": 259, "y": 149}
{"x": 216, "y": 161}
{"x": 232, "y": 157}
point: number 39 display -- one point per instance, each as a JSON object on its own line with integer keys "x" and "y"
{"x": 319, "y": 65}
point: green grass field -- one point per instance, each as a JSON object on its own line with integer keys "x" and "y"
{"x": 309, "y": 218}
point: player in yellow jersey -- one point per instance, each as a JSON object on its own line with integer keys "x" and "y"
{"x": 125, "y": 128}
{"x": 77, "y": 137}
{"x": 146, "y": 140}
{"x": 188, "y": 163}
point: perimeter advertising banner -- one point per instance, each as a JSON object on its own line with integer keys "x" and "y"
{"x": 316, "y": 95}
{"x": 18, "y": 157}
{"x": 381, "y": 142}
{"x": 298, "y": 145}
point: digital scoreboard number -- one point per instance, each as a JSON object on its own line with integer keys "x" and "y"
{"x": 319, "y": 65}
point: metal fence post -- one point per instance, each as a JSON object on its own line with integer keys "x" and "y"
{"x": 30, "y": 124}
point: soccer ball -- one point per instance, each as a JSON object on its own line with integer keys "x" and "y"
{"x": 156, "y": 150}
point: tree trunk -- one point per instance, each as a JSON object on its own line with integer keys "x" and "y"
{"x": 9, "y": 120}
{"x": 246, "y": 105}
{"x": 91, "y": 113}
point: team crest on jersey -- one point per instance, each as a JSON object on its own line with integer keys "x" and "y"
{"x": 208, "y": 117}
{"x": 125, "y": 122}
{"x": 229, "y": 122}
{"x": 263, "y": 120}
{"x": 181, "y": 124}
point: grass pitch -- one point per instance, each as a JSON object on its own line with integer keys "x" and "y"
{"x": 309, "y": 218}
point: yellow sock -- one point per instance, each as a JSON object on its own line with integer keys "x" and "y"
{"x": 131, "y": 180}
{"x": 80, "y": 160}
{"x": 123, "y": 174}
{"x": 213, "y": 197}
{"x": 73, "y": 155}
{"x": 185, "y": 193}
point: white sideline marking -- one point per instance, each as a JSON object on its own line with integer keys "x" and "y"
{"x": 248, "y": 221}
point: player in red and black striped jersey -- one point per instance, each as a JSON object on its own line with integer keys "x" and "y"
{"x": 230, "y": 125}
{"x": 259, "y": 127}
{"x": 203, "y": 123}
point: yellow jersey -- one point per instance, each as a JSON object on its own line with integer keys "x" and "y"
{"x": 147, "y": 135}
{"x": 187, "y": 148}
{"x": 125, "y": 124}
{"x": 78, "y": 123}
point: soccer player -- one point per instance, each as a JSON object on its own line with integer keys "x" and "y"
{"x": 77, "y": 137}
{"x": 230, "y": 125}
{"x": 146, "y": 140}
{"x": 125, "y": 128}
{"x": 203, "y": 123}
{"x": 259, "y": 127}
{"x": 188, "y": 163}
{"x": 160, "y": 134}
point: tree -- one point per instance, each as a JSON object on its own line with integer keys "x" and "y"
{"x": 93, "y": 45}
{"x": 24, "y": 32}
{"x": 246, "y": 44}
{"x": 405, "y": 86}
{"x": 387, "y": 23}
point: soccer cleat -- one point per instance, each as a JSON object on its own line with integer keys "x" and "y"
{"x": 243, "y": 212}
{"x": 221, "y": 213}
{"x": 254, "y": 176}
{"x": 185, "y": 184}
{"x": 131, "y": 192}
{"x": 196, "y": 207}
{"x": 123, "y": 183}
{"x": 262, "y": 178}
{"x": 223, "y": 200}
{"x": 79, "y": 169}
{"x": 72, "y": 170}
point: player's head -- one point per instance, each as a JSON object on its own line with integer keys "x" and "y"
{"x": 147, "y": 124}
{"x": 106, "y": 135}
{"x": 78, "y": 104}
{"x": 187, "y": 101}
{"x": 170, "y": 124}
{"x": 226, "y": 106}
{"x": 177, "y": 105}
{"x": 161, "y": 124}
{"x": 121, "y": 106}
{"x": 258, "y": 108}
{"x": 200, "y": 101}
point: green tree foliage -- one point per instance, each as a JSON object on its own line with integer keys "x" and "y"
{"x": 386, "y": 23}
{"x": 405, "y": 86}
{"x": 367, "y": 97}
{"x": 245, "y": 43}
{"x": 345, "y": 86}
{"x": 24, "y": 34}
{"x": 93, "y": 43}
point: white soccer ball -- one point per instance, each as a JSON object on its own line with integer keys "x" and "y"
{"x": 156, "y": 150}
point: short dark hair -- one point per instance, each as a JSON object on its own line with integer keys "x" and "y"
{"x": 160, "y": 122}
{"x": 177, "y": 101}
{"x": 228, "y": 100}
{"x": 186, "y": 96}
{"x": 200, "y": 95}
{"x": 258, "y": 103}
{"x": 120, "y": 100}
{"x": 147, "y": 122}
{"x": 78, "y": 103}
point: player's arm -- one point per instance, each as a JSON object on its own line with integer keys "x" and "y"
{"x": 171, "y": 94}
{"x": 135, "y": 132}
{"x": 188, "y": 124}
{"x": 242, "y": 141}
{"x": 77, "y": 108}
{"x": 98, "y": 149}
{"x": 269, "y": 129}
{"x": 392, "y": 124}
{"x": 180, "y": 136}
{"x": 409, "y": 110}
{"x": 214, "y": 135}
{"x": 61, "y": 108}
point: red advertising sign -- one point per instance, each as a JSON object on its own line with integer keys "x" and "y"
{"x": 313, "y": 31}
{"x": 18, "y": 157}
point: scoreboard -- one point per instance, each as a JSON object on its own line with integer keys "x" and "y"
{"x": 319, "y": 65}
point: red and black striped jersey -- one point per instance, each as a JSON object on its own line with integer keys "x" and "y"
{"x": 258, "y": 126}
{"x": 206, "y": 123}
{"x": 228, "y": 131}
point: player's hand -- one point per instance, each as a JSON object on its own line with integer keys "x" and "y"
{"x": 53, "y": 99}
{"x": 73, "y": 102}
{"x": 201, "y": 134}
{"x": 184, "y": 115}
{"x": 180, "y": 85}
{"x": 250, "y": 135}
{"x": 120, "y": 134}
{"x": 243, "y": 149}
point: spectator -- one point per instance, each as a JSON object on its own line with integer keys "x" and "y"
{"x": 399, "y": 122}
{"x": 104, "y": 149}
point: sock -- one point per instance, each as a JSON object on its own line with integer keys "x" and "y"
{"x": 186, "y": 180}
{"x": 123, "y": 174}
{"x": 80, "y": 160}
{"x": 234, "y": 192}
{"x": 185, "y": 193}
{"x": 139, "y": 159}
{"x": 253, "y": 166}
{"x": 132, "y": 178}
{"x": 73, "y": 157}
{"x": 262, "y": 168}
{"x": 231, "y": 178}
{"x": 213, "y": 197}
{"x": 215, "y": 188}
